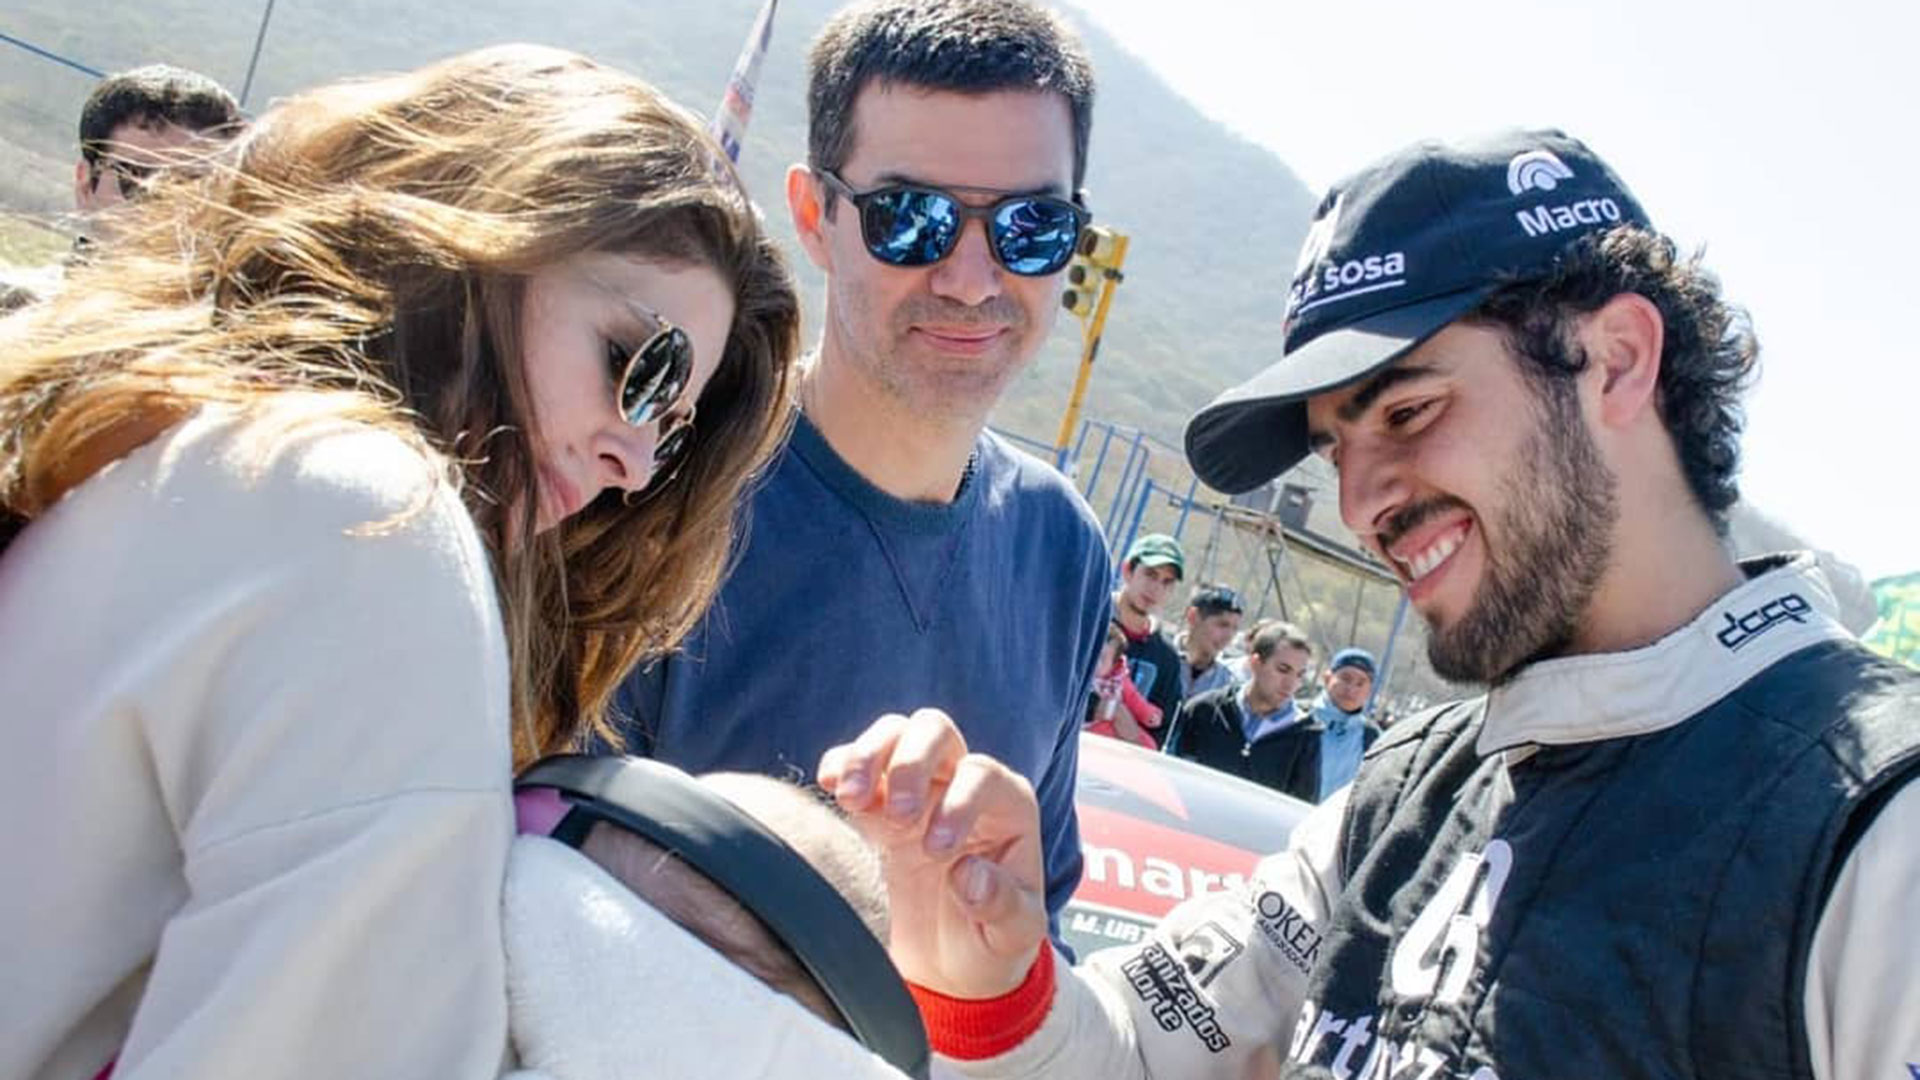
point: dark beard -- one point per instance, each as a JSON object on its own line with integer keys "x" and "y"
{"x": 1555, "y": 536}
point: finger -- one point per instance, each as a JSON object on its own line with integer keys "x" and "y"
{"x": 1011, "y": 917}
{"x": 925, "y": 751}
{"x": 982, "y": 788}
{"x": 832, "y": 764}
{"x": 850, "y": 770}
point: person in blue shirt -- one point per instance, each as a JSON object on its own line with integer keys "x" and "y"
{"x": 900, "y": 555}
{"x": 1341, "y": 711}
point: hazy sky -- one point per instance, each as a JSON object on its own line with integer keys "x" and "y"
{"x": 1780, "y": 136}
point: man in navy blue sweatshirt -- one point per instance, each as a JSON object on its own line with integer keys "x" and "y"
{"x": 899, "y": 555}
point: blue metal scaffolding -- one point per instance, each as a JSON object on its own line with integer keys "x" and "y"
{"x": 1135, "y": 492}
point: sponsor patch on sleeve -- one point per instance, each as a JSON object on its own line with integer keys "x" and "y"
{"x": 1289, "y": 931}
{"x": 1205, "y": 950}
{"x": 1161, "y": 984}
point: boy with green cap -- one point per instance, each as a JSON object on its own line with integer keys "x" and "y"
{"x": 1154, "y": 564}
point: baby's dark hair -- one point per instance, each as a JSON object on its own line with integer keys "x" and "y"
{"x": 813, "y": 828}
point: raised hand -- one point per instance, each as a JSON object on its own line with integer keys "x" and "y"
{"x": 960, "y": 837}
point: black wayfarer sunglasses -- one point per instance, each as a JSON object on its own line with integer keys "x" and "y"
{"x": 650, "y": 380}
{"x": 915, "y": 225}
{"x": 131, "y": 178}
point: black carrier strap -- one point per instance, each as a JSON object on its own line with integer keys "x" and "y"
{"x": 759, "y": 870}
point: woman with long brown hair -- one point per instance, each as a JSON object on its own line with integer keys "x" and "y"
{"x": 354, "y": 474}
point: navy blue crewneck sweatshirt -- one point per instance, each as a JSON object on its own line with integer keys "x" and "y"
{"x": 848, "y": 603}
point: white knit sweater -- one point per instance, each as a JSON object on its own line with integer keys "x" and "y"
{"x": 254, "y": 767}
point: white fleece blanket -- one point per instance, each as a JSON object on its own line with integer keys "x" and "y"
{"x": 603, "y": 987}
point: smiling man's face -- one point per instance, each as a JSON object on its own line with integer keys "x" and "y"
{"x": 946, "y": 339}
{"x": 1482, "y": 488}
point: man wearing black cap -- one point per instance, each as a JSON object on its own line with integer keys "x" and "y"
{"x": 1213, "y": 618}
{"x": 1674, "y": 839}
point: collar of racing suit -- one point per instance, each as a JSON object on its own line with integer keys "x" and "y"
{"x": 1784, "y": 606}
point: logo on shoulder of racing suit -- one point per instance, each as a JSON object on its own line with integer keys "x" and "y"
{"x": 1161, "y": 984}
{"x": 1206, "y": 949}
{"x": 1282, "y": 924}
{"x": 1739, "y": 631}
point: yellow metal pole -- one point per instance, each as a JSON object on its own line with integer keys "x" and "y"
{"x": 1090, "y": 347}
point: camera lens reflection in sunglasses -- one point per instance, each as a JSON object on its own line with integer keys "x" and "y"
{"x": 655, "y": 375}
{"x": 910, "y": 226}
{"x": 652, "y": 379}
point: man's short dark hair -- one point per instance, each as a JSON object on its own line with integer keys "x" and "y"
{"x": 1706, "y": 359}
{"x": 151, "y": 96}
{"x": 1275, "y": 633}
{"x": 1210, "y": 600}
{"x": 961, "y": 46}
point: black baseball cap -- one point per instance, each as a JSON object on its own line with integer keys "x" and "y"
{"x": 1216, "y": 600}
{"x": 1395, "y": 253}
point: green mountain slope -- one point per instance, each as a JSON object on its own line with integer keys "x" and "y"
{"x": 1208, "y": 211}
{"x": 1214, "y": 219}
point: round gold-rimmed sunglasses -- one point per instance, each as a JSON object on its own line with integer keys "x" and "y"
{"x": 648, "y": 382}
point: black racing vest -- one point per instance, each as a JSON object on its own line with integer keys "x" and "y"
{"x": 1635, "y": 907}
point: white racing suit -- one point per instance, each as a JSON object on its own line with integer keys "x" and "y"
{"x": 1217, "y": 989}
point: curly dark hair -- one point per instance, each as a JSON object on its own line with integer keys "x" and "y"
{"x": 1707, "y": 359}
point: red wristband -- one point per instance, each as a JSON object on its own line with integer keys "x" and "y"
{"x": 969, "y": 1030}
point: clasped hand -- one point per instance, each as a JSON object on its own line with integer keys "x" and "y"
{"x": 959, "y": 834}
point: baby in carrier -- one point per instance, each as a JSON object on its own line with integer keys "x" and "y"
{"x": 714, "y": 926}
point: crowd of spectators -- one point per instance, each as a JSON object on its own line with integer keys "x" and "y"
{"x": 1247, "y": 701}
